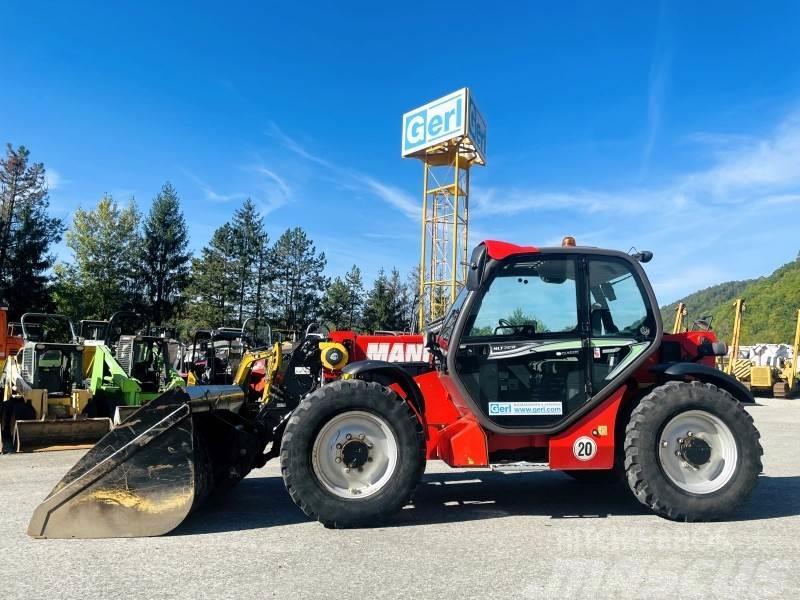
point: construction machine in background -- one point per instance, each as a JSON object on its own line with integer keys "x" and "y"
{"x": 680, "y": 316}
{"x": 10, "y": 339}
{"x": 216, "y": 353}
{"x": 591, "y": 383}
{"x": 778, "y": 379}
{"x": 735, "y": 365}
{"x": 789, "y": 372}
{"x": 679, "y": 324}
{"x": 92, "y": 329}
{"x": 128, "y": 364}
{"x": 45, "y": 399}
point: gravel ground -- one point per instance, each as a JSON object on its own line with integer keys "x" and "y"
{"x": 471, "y": 534}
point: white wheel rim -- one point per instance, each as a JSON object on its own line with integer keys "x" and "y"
{"x": 723, "y": 457}
{"x": 359, "y": 433}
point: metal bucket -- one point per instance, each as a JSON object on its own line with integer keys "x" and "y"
{"x": 59, "y": 434}
{"x": 145, "y": 476}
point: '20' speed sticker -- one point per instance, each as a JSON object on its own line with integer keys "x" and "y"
{"x": 584, "y": 448}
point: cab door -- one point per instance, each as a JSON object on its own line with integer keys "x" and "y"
{"x": 622, "y": 323}
{"x": 523, "y": 350}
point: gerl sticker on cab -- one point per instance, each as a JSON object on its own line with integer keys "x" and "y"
{"x": 527, "y": 409}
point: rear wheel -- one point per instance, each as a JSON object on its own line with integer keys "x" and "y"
{"x": 692, "y": 452}
{"x": 352, "y": 454}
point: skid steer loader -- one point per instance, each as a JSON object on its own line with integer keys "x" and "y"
{"x": 554, "y": 357}
{"x": 45, "y": 399}
{"x": 127, "y": 366}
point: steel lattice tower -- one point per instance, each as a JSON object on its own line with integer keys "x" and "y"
{"x": 449, "y": 136}
{"x": 445, "y": 229}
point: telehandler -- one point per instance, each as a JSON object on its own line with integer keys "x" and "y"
{"x": 586, "y": 381}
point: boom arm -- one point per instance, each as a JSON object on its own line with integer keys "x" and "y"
{"x": 680, "y": 315}
{"x": 738, "y": 307}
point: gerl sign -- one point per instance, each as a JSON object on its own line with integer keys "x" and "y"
{"x": 444, "y": 119}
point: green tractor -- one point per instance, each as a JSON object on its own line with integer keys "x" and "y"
{"x": 128, "y": 365}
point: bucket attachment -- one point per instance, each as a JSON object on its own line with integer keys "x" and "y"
{"x": 59, "y": 434}
{"x": 145, "y": 476}
{"x": 122, "y": 412}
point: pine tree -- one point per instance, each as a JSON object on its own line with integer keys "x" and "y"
{"x": 105, "y": 242}
{"x": 341, "y": 306}
{"x": 251, "y": 269}
{"x": 399, "y": 318}
{"x": 164, "y": 259}
{"x": 213, "y": 288}
{"x": 378, "y": 306}
{"x": 414, "y": 299}
{"x": 355, "y": 288}
{"x": 335, "y": 310}
{"x": 26, "y": 234}
{"x": 299, "y": 281}
{"x": 389, "y": 304}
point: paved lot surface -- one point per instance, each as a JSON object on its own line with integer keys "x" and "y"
{"x": 471, "y": 534}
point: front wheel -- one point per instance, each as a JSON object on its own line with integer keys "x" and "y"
{"x": 692, "y": 452}
{"x": 352, "y": 454}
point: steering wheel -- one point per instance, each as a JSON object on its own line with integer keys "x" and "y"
{"x": 525, "y": 329}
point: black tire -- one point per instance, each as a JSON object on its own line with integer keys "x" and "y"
{"x": 645, "y": 474}
{"x": 310, "y": 416}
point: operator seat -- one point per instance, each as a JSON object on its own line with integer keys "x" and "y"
{"x": 602, "y": 323}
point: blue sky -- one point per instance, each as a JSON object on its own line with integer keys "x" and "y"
{"x": 672, "y": 127}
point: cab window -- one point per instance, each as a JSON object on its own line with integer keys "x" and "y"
{"x": 451, "y": 317}
{"x": 527, "y": 299}
{"x": 619, "y": 306}
{"x": 622, "y": 324}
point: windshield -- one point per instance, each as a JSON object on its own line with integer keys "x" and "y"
{"x": 52, "y": 329}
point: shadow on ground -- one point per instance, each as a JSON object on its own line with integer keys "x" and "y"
{"x": 454, "y": 497}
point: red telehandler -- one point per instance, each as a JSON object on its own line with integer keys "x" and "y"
{"x": 550, "y": 356}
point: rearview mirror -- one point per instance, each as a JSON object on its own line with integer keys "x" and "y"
{"x": 476, "y": 267}
{"x": 430, "y": 340}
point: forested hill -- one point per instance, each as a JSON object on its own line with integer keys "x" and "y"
{"x": 771, "y": 306}
{"x": 704, "y": 302}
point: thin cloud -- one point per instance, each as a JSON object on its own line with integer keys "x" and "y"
{"x": 761, "y": 171}
{"x": 762, "y": 165}
{"x": 280, "y": 182}
{"x": 212, "y": 194}
{"x": 295, "y": 146}
{"x": 53, "y": 179}
{"x": 351, "y": 179}
{"x": 656, "y": 89}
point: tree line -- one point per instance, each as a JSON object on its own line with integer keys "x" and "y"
{"x": 122, "y": 259}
